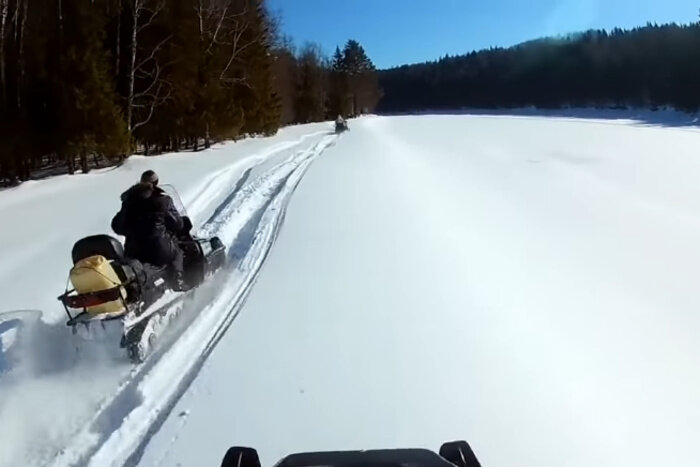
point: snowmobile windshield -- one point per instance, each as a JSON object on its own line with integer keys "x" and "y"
{"x": 175, "y": 196}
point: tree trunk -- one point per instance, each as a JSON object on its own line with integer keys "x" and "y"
{"x": 60, "y": 20}
{"x": 20, "y": 60}
{"x": 3, "y": 28}
{"x": 118, "y": 51}
{"x": 132, "y": 68}
{"x": 71, "y": 164}
{"x": 207, "y": 143}
{"x": 84, "y": 160}
{"x": 25, "y": 170}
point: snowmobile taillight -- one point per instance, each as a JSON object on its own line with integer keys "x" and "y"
{"x": 91, "y": 299}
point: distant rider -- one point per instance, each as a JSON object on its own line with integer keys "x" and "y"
{"x": 340, "y": 124}
{"x": 151, "y": 224}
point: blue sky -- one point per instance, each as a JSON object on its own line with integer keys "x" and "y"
{"x": 395, "y": 32}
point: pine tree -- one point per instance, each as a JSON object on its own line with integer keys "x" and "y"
{"x": 90, "y": 120}
{"x": 174, "y": 124}
{"x": 651, "y": 66}
{"x": 285, "y": 77}
{"x": 255, "y": 84}
{"x": 339, "y": 98}
{"x": 84, "y": 83}
{"x": 355, "y": 87}
{"x": 311, "y": 99}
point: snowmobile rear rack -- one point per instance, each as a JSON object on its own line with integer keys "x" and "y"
{"x": 74, "y": 301}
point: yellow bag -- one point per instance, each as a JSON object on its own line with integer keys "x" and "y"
{"x": 94, "y": 274}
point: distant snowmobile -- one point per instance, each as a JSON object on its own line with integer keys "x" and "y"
{"x": 109, "y": 286}
{"x": 341, "y": 125}
{"x": 452, "y": 454}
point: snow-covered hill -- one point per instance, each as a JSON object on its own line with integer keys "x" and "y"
{"x": 529, "y": 284}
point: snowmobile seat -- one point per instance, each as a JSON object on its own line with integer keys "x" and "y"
{"x": 98, "y": 245}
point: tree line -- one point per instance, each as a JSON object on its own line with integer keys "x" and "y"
{"x": 652, "y": 66}
{"x": 315, "y": 87}
{"x": 84, "y": 84}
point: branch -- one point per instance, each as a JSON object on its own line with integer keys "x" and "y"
{"x": 157, "y": 100}
{"x": 201, "y": 20}
{"x": 243, "y": 81}
{"x": 154, "y": 13}
{"x": 218, "y": 28}
{"x": 153, "y": 52}
{"x": 146, "y": 91}
{"x": 236, "y": 50}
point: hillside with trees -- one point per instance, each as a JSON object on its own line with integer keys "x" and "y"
{"x": 85, "y": 84}
{"x": 649, "y": 67}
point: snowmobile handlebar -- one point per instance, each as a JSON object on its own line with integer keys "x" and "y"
{"x": 451, "y": 454}
{"x": 186, "y": 224}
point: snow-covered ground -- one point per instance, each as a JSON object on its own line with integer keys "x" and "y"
{"x": 526, "y": 283}
{"x": 64, "y": 406}
{"x": 42, "y": 219}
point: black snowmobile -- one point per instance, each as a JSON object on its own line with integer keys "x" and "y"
{"x": 452, "y": 454}
{"x": 341, "y": 125}
{"x": 107, "y": 285}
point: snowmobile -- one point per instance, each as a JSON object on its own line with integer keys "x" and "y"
{"x": 107, "y": 285}
{"x": 341, "y": 125}
{"x": 452, "y": 454}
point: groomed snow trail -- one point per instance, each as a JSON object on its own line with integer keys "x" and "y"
{"x": 248, "y": 225}
{"x": 96, "y": 409}
{"x": 42, "y": 219}
{"x": 528, "y": 284}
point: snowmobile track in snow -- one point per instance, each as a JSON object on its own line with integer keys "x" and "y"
{"x": 248, "y": 221}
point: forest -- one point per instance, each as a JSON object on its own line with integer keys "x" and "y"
{"x": 85, "y": 84}
{"x": 653, "y": 66}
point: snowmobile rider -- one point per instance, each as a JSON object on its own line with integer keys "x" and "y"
{"x": 151, "y": 224}
{"x": 340, "y": 124}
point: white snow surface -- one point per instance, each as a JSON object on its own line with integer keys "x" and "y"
{"x": 42, "y": 219}
{"x": 526, "y": 283}
{"x": 65, "y": 406}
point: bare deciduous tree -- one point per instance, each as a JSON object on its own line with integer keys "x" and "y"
{"x": 4, "y": 10}
{"x": 118, "y": 46}
{"x": 91, "y": 78}
{"x": 20, "y": 20}
{"x": 148, "y": 68}
{"x": 223, "y": 26}
{"x": 223, "y": 37}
